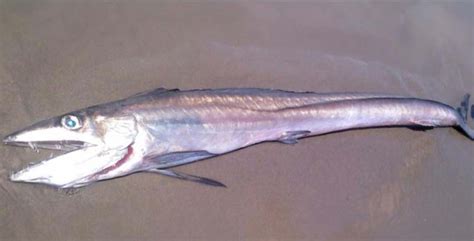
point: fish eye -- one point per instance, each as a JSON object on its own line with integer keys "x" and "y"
{"x": 71, "y": 122}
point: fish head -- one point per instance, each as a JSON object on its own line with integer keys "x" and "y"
{"x": 92, "y": 142}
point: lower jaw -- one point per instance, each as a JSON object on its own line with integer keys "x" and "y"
{"x": 107, "y": 172}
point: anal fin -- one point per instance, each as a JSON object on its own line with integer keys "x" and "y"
{"x": 291, "y": 137}
{"x": 187, "y": 177}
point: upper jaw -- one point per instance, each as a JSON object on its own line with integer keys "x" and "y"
{"x": 54, "y": 138}
{"x": 50, "y": 145}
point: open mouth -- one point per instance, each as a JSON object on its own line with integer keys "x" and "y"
{"x": 78, "y": 164}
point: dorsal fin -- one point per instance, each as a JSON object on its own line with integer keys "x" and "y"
{"x": 156, "y": 91}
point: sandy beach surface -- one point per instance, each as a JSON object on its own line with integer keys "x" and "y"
{"x": 377, "y": 184}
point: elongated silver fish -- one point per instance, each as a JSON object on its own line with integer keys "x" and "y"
{"x": 161, "y": 129}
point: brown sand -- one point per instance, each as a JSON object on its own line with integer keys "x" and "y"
{"x": 381, "y": 184}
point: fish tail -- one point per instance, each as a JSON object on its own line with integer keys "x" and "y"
{"x": 463, "y": 111}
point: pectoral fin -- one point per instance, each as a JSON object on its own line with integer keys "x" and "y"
{"x": 173, "y": 159}
{"x": 187, "y": 177}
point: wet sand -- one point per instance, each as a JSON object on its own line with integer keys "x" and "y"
{"x": 378, "y": 184}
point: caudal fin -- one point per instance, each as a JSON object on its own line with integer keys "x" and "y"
{"x": 463, "y": 112}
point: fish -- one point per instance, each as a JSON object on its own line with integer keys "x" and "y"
{"x": 158, "y": 130}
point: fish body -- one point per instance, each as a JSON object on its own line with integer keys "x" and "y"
{"x": 161, "y": 129}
